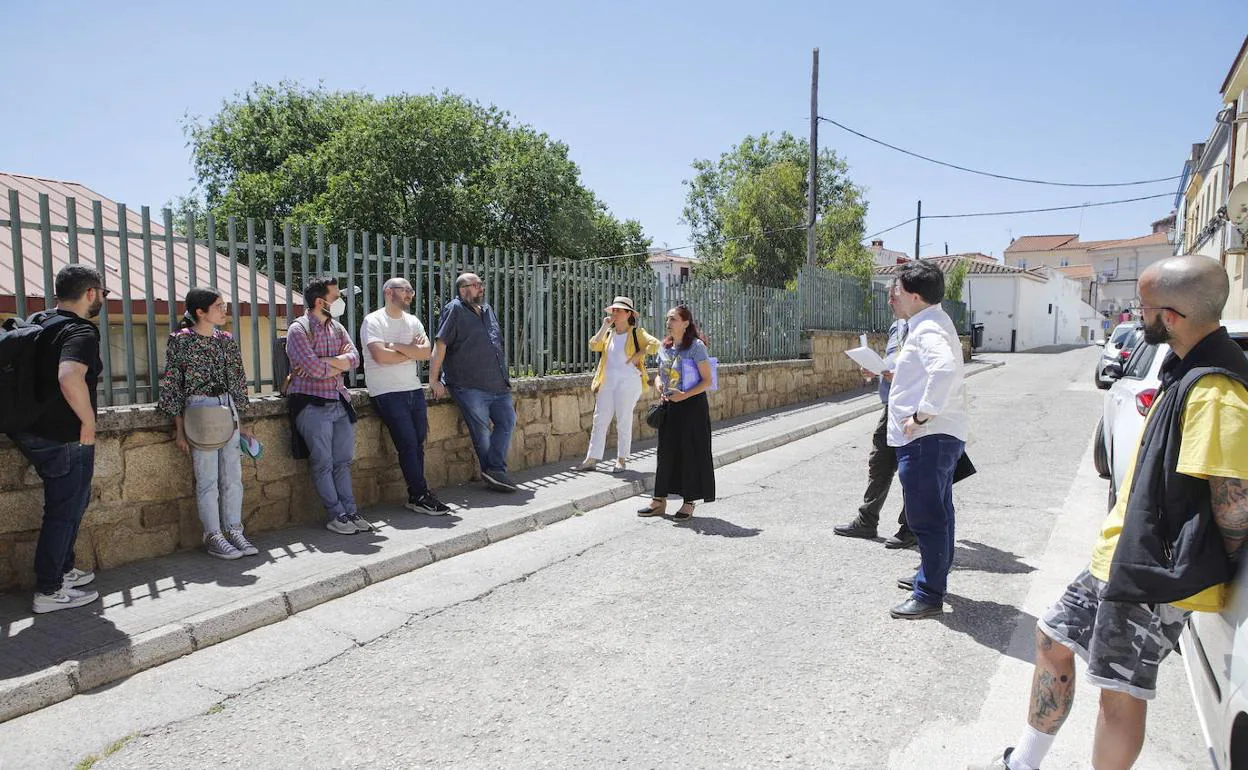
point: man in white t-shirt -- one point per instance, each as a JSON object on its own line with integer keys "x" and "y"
{"x": 395, "y": 340}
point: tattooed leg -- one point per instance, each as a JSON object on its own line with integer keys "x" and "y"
{"x": 1052, "y": 685}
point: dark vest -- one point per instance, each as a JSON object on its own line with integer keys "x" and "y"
{"x": 1170, "y": 547}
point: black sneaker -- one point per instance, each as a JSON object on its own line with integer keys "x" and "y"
{"x": 429, "y": 504}
{"x": 498, "y": 481}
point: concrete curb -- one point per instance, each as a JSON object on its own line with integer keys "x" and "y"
{"x": 109, "y": 664}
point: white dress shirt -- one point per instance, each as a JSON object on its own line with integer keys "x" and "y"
{"x": 929, "y": 380}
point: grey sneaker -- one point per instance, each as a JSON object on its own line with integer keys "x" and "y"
{"x": 498, "y": 481}
{"x": 342, "y": 525}
{"x": 64, "y": 599}
{"x": 240, "y": 541}
{"x": 218, "y": 547}
{"x": 361, "y": 524}
{"x": 77, "y": 577}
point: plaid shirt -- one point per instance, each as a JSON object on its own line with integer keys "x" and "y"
{"x": 309, "y": 375}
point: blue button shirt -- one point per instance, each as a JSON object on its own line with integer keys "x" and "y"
{"x": 474, "y": 348}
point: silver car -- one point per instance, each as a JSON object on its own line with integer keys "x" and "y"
{"x": 1118, "y": 346}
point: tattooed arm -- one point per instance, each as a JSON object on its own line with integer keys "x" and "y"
{"x": 1230, "y": 510}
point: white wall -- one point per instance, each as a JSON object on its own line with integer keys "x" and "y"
{"x": 1033, "y": 313}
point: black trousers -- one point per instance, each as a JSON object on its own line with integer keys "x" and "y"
{"x": 881, "y": 467}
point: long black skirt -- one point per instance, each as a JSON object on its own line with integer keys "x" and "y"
{"x": 685, "y": 467}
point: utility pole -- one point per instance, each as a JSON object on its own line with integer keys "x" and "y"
{"x": 918, "y": 225}
{"x": 812, "y": 188}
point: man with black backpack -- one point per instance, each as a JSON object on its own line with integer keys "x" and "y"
{"x": 58, "y": 435}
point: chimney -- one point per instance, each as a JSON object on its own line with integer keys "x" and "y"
{"x": 877, "y": 244}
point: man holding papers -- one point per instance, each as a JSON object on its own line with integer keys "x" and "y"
{"x": 882, "y": 464}
{"x": 928, "y": 425}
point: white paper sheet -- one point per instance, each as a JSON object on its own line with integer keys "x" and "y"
{"x": 870, "y": 360}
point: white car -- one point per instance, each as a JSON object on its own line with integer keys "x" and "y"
{"x": 1118, "y": 346}
{"x": 1214, "y": 645}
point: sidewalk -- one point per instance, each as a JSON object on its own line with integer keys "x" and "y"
{"x": 159, "y": 609}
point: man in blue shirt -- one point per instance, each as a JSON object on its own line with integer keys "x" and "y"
{"x": 881, "y": 465}
{"x": 470, "y": 363}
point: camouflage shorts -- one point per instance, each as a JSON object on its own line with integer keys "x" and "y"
{"x": 1122, "y": 643}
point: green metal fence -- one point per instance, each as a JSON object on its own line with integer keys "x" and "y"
{"x": 548, "y": 308}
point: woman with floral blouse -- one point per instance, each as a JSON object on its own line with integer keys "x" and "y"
{"x": 203, "y": 365}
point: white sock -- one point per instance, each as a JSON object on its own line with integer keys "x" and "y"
{"x": 1030, "y": 750}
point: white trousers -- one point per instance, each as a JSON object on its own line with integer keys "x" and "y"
{"x": 616, "y": 398}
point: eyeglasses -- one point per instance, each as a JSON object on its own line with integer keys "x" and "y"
{"x": 1140, "y": 310}
{"x": 103, "y": 292}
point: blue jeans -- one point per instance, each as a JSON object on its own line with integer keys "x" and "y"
{"x": 480, "y": 408}
{"x": 330, "y": 436}
{"x": 925, "y": 467}
{"x": 66, "y": 470}
{"x": 218, "y": 479}
{"x": 407, "y": 419}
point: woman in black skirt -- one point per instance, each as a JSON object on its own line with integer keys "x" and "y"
{"x": 685, "y": 467}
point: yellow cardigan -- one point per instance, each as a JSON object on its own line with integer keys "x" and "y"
{"x": 651, "y": 344}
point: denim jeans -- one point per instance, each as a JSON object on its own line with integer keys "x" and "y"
{"x": 66, "y": 470}
{"x": 218, "y": 480}
{"x": 406, "y": 417}
{"x": 480, "y": 408}
{"x": 330, "y": 436}
{"x": 925, "y": 467}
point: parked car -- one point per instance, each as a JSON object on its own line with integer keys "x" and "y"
{"x": 1214, "y": 645}
{"x": 1118, "y": 346}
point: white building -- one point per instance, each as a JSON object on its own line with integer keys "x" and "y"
{"x": 1020, "y": 309}
{"x": 670, "y": 266}
{"x": 885, "y": 257}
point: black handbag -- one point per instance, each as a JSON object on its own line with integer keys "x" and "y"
{"x": 655, "y": 414}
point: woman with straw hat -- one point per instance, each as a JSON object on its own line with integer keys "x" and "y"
{"x": 618, "y": 381}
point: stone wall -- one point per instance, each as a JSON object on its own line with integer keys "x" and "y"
{"x": 143, "y": 504}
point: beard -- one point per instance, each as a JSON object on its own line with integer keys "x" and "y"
{"x": 94, "y": 310}
{"x": 1156, "y": 332}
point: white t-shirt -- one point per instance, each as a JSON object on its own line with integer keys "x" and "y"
{"x": 617, "y": 360}
{"x": 390, "y": 378}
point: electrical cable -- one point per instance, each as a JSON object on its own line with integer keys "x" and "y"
{"x": 1007, "y": 177}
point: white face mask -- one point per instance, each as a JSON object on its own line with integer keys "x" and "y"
{"x": 337, "y": 307}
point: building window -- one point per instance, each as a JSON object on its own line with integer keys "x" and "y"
{"x": 1064, "y": 262}
{"x": 1022, "y": 263}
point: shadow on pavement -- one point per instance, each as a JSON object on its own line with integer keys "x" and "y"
{"x": 708, "y": 525}
{"x": 990, "y": 624}
{"x": 970, "y": 555}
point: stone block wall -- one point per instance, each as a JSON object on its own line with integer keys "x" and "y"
{"x": 143, "y": 505}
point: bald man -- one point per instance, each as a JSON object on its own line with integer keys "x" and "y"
{"x": 469, "y": 362}
{"x": 1170, "y": 544}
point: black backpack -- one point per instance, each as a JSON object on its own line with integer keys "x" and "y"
{"x": 19, "y": 376}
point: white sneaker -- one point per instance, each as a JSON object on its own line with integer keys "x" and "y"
{"x": 361, "y": 524}
{"x": 219, "y": 547}
{"x": 77, "y": 577}
{"x": 240, "y": 541}
{"x": 64, "y": 599}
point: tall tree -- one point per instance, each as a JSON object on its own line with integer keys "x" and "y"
{"x": 747, "y": 211}
{"x": 438, "y": 166}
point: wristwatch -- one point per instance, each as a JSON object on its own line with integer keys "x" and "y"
{"x": 917, "y": 421}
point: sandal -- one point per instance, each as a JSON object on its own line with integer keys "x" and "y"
{"x": 656, "y": 508}
{"x": 685, "y": 512}
{"x": 588, "y": 464}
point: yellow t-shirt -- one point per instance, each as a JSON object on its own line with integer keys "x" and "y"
{"x": 1215, "y": 443}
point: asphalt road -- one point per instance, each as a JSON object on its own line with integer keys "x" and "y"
{"x": 748, "y": 637}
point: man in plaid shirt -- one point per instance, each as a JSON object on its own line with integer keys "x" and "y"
{"x": 320, "y": 352}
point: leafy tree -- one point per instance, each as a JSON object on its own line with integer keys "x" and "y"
{"x": 747, "y": 212}
{"x": 438, "y": 166}
{"x": 955, "y": 279}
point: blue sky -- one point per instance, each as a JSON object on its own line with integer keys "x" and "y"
{"x": 1070, "y": 91}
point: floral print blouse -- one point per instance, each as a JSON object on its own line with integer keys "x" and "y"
{"x": 196, "y": 365}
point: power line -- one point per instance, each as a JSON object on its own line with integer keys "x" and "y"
{"x": 882, "y": 143}
{"x": 1019, "y": 211}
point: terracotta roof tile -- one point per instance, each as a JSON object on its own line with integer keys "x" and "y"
{"x": 1040, "y": 242}
{"x": 1152, "y": 239}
